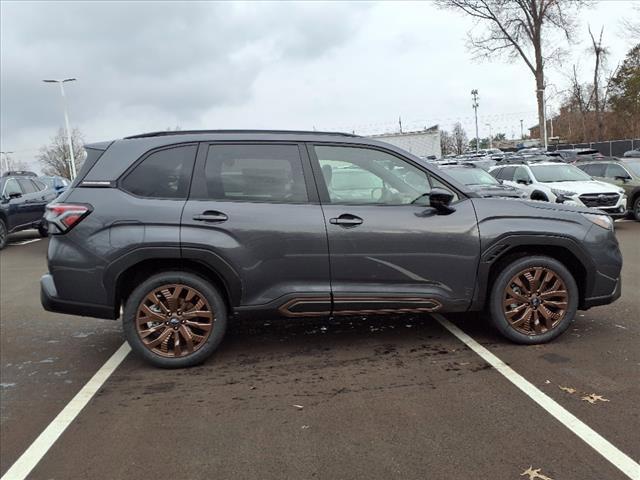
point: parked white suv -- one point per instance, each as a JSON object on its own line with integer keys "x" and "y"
{"x": 562, "y": 183}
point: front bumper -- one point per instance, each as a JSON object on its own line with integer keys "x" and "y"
{"x": 52, "y": 303}
{"x": 604, "y": 299}
{"x": 619, "y": 210}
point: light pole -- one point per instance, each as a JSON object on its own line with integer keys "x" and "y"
{"x": 521, "y": 129}
{"x": 544, "y": 118}
{"x": 6, "y": 160}
{"x": 490, "y": 135}
{"x": 474, "y": 94}
{"x": 72, "y": 160}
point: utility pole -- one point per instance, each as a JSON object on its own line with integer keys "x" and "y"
{"x": 474, "y": 94}
{"x": 490, "y": 135}
{"x": 521, "y": 130}
{"x": 72, "y": 160}
{"x": 543, "y": 130}
{"x": 400, "y": 123}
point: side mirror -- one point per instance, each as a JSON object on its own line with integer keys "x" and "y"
{"x": 440, "y": 199}
{"x": 522, "y": 182}
{"x": 15, "y": 195}
{"x": 624, "y": 178}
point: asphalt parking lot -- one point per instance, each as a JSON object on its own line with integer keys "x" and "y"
{"x": 355, "y": 398}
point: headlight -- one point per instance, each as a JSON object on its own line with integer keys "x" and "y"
{"x": 603, "y": 221}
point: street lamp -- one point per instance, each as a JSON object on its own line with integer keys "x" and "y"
{"x": 474, "y": 94}
{"x": 490, "y": 135}
{"x": 66, "y": 122}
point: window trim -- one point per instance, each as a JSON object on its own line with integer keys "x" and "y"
{"x": 199, "y": 191}
{"x": 323, "y": 192}
{"x": 143, "y": 157}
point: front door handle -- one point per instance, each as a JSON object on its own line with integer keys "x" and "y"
{"x": 346, "y": 220}
{"x": 211, "y": 216}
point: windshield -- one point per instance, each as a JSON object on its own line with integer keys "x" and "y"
{"x": 559, "y": 173}
{"x": 472, "y": 176}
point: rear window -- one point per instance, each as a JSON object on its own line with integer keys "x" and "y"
{"x": 255, "y": 173}
{"x": 163, "y": 173}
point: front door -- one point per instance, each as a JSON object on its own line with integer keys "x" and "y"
{"x": 390, "y": 252}
{"x": 253, "y": 212}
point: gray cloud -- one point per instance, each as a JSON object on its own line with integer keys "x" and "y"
{"x": 177, "y": 58}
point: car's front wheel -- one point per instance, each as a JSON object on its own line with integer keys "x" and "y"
{"x": 175, "y": 319}
{"x": 533, "y": 300}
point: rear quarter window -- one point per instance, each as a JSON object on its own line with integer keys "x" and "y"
{"x": 162, "y": 173}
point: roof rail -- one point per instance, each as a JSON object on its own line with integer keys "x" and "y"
{"x": 195, "y": 132}
{"x": 19, "y": 173}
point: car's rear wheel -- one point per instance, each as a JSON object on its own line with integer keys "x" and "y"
{"x": 636, "y": 209}
{"x": 4, "y": 233}
{"x": 43, "y": 229}
{"x": 175, "y": 319}
{"x": 533, "y": 300}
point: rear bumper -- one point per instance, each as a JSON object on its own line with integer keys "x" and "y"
{"x": 52, "y": 303}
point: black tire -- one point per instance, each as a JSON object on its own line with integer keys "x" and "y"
{"x": 208, "y": 291}
{"x": 497, "y": 295}
{"x": 43, "y": 229}
{"x": 636, "y": 209}
{"x": 3, "y": 234}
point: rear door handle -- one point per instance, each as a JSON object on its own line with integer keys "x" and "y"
{"x": 346, "y": 220}
{"x": 211, "y": 216}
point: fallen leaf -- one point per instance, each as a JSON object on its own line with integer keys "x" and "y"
{"x": 568, "y": 389}
{"x": 534, "y": 474}
{"x": 593, "y": 398}
{"x": 304, "y": 427}
{"x": 299, "y": 407}
{"x": 547, "y": 381}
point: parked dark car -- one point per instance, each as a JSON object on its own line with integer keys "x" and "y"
{"x": 481, "y": 181}
{"x": 23, "y": 198}
{"x": 623, "y": 172}
{"x": 189, "y": 230}
{"x": 57, "y": 183}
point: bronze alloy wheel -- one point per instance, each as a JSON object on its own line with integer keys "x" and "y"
{"x": 535, "y": 301}
{"x": 174, "y": 320}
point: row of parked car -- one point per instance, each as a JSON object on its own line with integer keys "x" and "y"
{"x": 23, "y": 198}
{"x": 573, "y": 177}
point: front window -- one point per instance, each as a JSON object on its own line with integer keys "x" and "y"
{"x": 355, "y": 175}
{"x": 472, "y": 176}
{"x": 559, "y": 173}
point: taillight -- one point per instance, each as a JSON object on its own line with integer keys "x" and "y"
{"x": 65, "y": 216}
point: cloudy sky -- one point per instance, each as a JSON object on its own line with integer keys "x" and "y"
{"x": 331, "y": 66}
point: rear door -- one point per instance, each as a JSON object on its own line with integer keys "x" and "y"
{"x": 32, "y": 206}
{"x": 254, "y": 212}
{"x": 15, "y": 196}
{"x": 390, "y": 255}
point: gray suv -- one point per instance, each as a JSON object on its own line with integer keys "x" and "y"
{"x": 180, "y": 232}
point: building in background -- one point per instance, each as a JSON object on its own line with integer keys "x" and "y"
{"x": 422, "y": 143}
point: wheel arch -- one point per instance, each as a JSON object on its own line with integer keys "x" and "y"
{"x": 124, "y": 275}
{"x": 510, "y": 248}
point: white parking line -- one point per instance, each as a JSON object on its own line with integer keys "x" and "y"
{"x": 30, "y": 458}
{"x": 596, "y": 441}
{"x": 24, "y": 242}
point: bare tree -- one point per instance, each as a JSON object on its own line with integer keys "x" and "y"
{"x": 55, "y": 156}
{"x": 447, "y": 143}
{"x": 11, "y": 164}
{"x": 520, "y": 28}
{"x": 460, "y": 139}
{"x": 631, "y": 26}
{"x": 600, "y": 54}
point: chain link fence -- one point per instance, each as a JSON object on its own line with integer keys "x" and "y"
{"x": 610, "y": 148}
